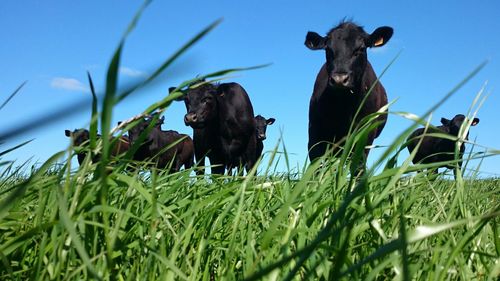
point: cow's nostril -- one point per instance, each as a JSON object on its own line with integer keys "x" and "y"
{"x": 190, "y": 118}
{"x": 341, "y": 78}
{"x": 331, "y": 80}
{"x": 345, "y": 79}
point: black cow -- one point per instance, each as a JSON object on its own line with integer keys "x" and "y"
{"x": 81, "y": 137}
{"x": 342, "y": 84}
{"x": 222, "y": 119}
{"x": 434, "y": 149}
{"x": 261, "y": 124}
{"x": 180, "y": 152}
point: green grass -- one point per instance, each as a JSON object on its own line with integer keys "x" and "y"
{"x": 325, "y": 222}
{"x": 185, "y": 227}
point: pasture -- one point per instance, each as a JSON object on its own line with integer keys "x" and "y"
{"x": 62, "y": 223}
{"x": 120, "y": 219}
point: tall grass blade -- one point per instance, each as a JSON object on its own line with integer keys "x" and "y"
{"x": 12, "y": 95}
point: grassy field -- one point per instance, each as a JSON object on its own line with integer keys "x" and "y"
{"x": 62, "y": 223}
{"x": 324, "y": 222}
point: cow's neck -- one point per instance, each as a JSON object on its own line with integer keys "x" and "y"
{"x": 368, "y": 79}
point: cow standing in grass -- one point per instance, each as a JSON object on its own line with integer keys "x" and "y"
{"x": 342, "y": 84}
{"x": 167, "y": 149}
{"x": 435, "y": 149}
{"x": 222, "y": 119}
{"x": 261, "y": 124}
{"x": 81, "y": 137}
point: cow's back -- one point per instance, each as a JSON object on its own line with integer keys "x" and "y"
{"x": 236, "y": 122}
{"x": 432, "y": 149}
{"x": 235, "y": 108}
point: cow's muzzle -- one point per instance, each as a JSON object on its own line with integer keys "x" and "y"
{"x": 190, "y": 118}
{"x": 341, "y": 79}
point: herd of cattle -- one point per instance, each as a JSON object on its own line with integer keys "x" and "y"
{"x": 226, "y": 130}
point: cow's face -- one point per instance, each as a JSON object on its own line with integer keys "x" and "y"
{"x": 345, "y": 48}
{"x": 261, "y": 126}
{"x": 78, "y": 136}
{"x": 201, "y": 105}
{"x": 454, "y": 124}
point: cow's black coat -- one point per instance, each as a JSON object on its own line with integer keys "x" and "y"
{"x": 81, "y": 137}
{"x": 167, "y": 149}
{"x": 222, "y": 119}
{"x": 434, "y": 149}
{"x": 342, "y": 83}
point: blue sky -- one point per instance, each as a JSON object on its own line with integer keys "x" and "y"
{"x": 53, "y": 43}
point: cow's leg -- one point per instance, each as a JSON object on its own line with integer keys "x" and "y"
{"x": 217, "y": 163}
{"x": 200, "y": 152}
{"x": 250, "y": 155}
{"x": 187, "y": 161}
{"x": 178, "y": 163}
{"x": 200, "y": 160}
{"x": 218, "y": 169}
{"x": 233, "y": 152}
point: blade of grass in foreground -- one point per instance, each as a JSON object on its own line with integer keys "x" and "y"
{"x": 12, "y": 95}
{"x": 107, "y": 111}
{"x": 75, "y": 238}
{"x": 324, "y": 233}
{"x": 171, "y": 59}
{"x": 72, "y": 109}
{"x": 15, "y": 147}
{"x": 418, "y": 234}
{"x": 21, "y": 188}
{"x": 94, "y": 115}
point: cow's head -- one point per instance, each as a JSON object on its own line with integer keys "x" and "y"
{"x": 345, "y": 47}
{"x": 141, "y": 126}
{"x": 454, "y": 124}
{"x": 78, "y": 136}
{"x": 261, "y": 126}
{"x": 201, "y": 105}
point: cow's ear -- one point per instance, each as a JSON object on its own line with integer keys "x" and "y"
{"x": 171, "y": 89}
{"x": 270, "y": 121}
{"x": 474, "y": 122}
{"x": 314, "y": 41}
{"x": 380, "y": 36}
{"x": 445, "y": 121}
{"x": 67, "y": 133}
